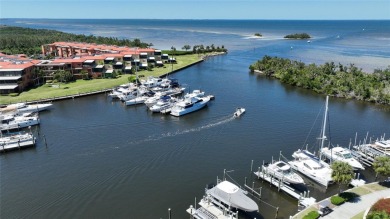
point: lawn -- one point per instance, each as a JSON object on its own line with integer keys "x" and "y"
{"x": 82, "y": 86}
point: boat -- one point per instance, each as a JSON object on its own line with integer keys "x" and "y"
{"x": 239, "y": 112}
{"x": 368, "y": 152}
{"x": 343, "y": 155}
{"x": 229, "y": 194}
{"x": 139, "y": 98}
{"x": 117, "y": 92}
{"x": 17, "y": 122}
{"x": 16, "y": 141}
{"x": 164, "y": 103}
{"x": 189, "y": 105}
{"x": 282, "y": 171}
{"x": 19, "y": 108}
{"x": 311, "y": 166}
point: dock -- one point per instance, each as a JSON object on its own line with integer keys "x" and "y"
{"x": 303, "y": 200}
{"x": 208, "y": 210}
{"x": 16, "y": 142}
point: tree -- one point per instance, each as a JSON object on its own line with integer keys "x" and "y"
{"x": 186, "y": 47}
{"x": 342, "y": 173}
{"x": 381, "y": 166}
{"x": 84, "y": 74}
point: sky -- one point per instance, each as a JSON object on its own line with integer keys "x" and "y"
{"x": 199, "y": 9}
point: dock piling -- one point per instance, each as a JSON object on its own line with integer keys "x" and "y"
{"x": 252, "y": 166}
{"x": 44, "y": 139}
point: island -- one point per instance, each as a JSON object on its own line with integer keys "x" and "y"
{"x": 338, "y": 80}
{"x": 298, "y": 36}
{"x": 258, "y": 35}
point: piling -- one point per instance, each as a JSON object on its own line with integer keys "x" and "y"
{"x": 44, "y": 139}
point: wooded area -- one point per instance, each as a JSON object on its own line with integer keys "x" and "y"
{"x": 329, "y": 78}
{"x": 18, "y": 40}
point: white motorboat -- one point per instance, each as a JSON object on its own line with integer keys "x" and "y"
{"x": 164, "y": 103}
{"x": 283, "y": 171}
{"x": 136, "y": 100}
{"x": 239, "y": 112}
{"x": 231, "y": 195}
{"x": 18, "y": 122}
{"x": 16, "y": 141}
{"x": 19, "y": 108}
{"x": 117, "y": 92}
{"x": 311, "y": 166}
{"x": 343, "y": 155}
{"x": 194, "y": 93}
{"x": 189, "y": 105}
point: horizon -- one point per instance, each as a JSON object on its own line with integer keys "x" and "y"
{"x": 198, "y": 10}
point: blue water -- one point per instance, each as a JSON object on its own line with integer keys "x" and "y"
{"x": 364, "y": 43}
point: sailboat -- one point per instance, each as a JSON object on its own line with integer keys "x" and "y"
{"x": 311, "y": 166}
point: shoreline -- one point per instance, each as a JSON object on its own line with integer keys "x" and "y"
{"x": 71, "y": 94}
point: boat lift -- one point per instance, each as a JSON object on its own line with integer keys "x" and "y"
{"x": 303, "y": 198}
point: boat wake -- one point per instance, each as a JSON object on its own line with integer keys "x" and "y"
{"x": 213, "y": 124}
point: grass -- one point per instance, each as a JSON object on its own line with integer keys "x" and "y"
{"x": 301, "y": 214}
{"x": 82, "y": 86}
{"x": 358, "y": 216}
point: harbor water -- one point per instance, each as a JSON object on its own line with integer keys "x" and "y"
{"x": 97, "y": 158}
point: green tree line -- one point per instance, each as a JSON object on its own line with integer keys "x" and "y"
{"x": 329, "y": 78}
{"x": 19, "y": 40}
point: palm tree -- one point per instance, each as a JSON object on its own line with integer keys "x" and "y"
{"x": 342, "y": 173}
{"x": 381, "y": 166}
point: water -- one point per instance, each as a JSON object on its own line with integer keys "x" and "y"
{"x": 105, "y": 160}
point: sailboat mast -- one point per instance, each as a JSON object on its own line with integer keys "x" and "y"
{"x": 323, "y": 137}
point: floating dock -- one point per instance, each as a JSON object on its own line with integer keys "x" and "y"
{"x": 16, "y": 142}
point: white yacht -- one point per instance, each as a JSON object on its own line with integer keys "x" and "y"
{"x": 311, "y": 166}
{"x": 18, "y": 122}
{"x": 20, "y": 108}
{"x": 343, "y": 155}
{"x": 16, "y": 140}
{"x": 231, "y": 195}
{"x": 189, "y": 105}
{"x": 283, "y": 171}
{"x": 164, "y": 103}
{"x": 117, "y": 92}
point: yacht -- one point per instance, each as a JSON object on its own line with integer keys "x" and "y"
{"x": 283, "y": 171}
{"x": 17, "y": 122}
{"x": 189, "y": 105}
{"x": 20, "y": 108}
{"x": 311, "y": 166}
{"x": 16, "y": 141}
{"x": 115, "y": 94}
{"x": 231, "y": 195}
{"x": 343, "y": 155}
{"x": 164, "y": 103}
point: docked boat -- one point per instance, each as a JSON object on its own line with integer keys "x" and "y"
{"x": 282, "y": 171}
{"x": 17, "y": 122}
{"x": 231, "y": 195}
{"x": 20, "y": 108}
{"x": 164, "y": 103}
{"x": 377, "y": 148}
{"x": 343, "y": 155}
{"x": 311, "y": 166}
{"x": 16, "y": 141}
{"x": 239, "y": 112}
{"x": 117, "y": 92}
{"x": 189, "y": 105}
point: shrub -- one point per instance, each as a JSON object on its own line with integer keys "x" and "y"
{"x": 378, "y": 215}
{"x": 337, "y": 200}
{"x": 14, "y": 94}
{"x": 312, "y": 215}
{"x": 382, "y": 205}
{"x": 348, "y": 196}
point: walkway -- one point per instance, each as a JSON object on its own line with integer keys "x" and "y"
{"x": 350, "y": 209}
